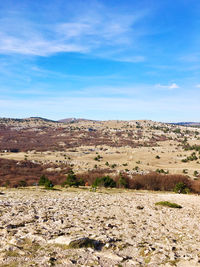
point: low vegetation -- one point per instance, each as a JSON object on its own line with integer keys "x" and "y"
{"x": 26, "y": 173}
{"x": 192, "y": 157}
{"x": 105, "y": 181}
{"x": 72, "y": 180}
{"x": 168, "y": 204}
{"x": 84, "y": 243}
{"x": 181, "y": 188}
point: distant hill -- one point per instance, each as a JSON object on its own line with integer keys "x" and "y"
{"x": 35, "y": 119}
{"x": 42, "y": 119}
{"x": 187, "y": 123}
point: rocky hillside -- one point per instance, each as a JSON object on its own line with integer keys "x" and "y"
{"x": 131, "y": 146}
{"x": 42, "y": 135}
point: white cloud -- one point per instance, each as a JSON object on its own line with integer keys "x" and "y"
{"x": 82, "y": 33}
{"x": 35, "y": 46}
{"x": 131, "y": 59}
{"x": 198, "y": 85}
{"x": 170, "y": 87}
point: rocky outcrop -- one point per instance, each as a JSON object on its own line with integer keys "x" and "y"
{"x": 77, "y": 227}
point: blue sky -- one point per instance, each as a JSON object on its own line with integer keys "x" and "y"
{"x": 105, "y": 59}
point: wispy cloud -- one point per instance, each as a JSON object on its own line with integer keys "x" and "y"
{"x": 35, "y": 45}
{"x": 128, "y": 59}
{"x": 83, "y": 33}
{"x": 170, "y": 87}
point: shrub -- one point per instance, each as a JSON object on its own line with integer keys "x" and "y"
{"x": 162, "y": 171}
{"x": 48, "y": 184}
{"x": 177, "y": 130}
{"x": 155, "y": 181}
{"x": 122, "y": 182}
{"x": 22, "y": 183}
{"x": 90, "y": 176}
{"x": 105, "y": 181}
{"x": 71, "y": 180}
{"x": 81, "y": 182}
{"x": 43, "y": 180}
{"x": 195, "y": 186}
{"x": 192, "y": 157}
{"x": 113, "y": 165}
{"x": 15, "y": 171}
{"x": 98, "y": 158}
{"x": 181, "y": 188}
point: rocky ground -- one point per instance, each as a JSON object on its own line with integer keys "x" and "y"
{"x": 77, "y": 227}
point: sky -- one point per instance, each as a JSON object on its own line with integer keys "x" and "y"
{"x": 100, "y": 59}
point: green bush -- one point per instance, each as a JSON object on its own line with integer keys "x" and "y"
{"x": 122, "y": 182}
{"x": 105, "y": 181}
{"x": 98, "y": 158}
{"x": 81, "y": 182}
{"x": 113, "y": 165}
{"x": 177, "y": 130}
{"x": 192, "y": 157}
{"x": 181, "y": 188}
{"x": 162, "y": 171}
{"x": 48, "y": 184}
{"x": 73, "y": 181}
{"x": 43, "y": 180}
